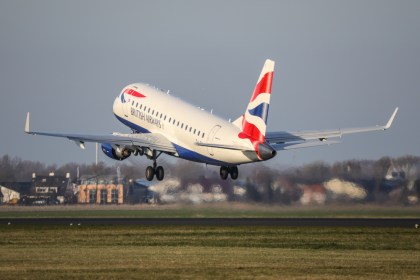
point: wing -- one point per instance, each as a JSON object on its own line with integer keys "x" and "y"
{"x": 154, "y": 141}
{"x": 284, "y": 140}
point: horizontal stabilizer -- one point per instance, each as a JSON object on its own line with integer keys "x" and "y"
{"x": 281, "y": 137}
{"x": 300, "y": 145}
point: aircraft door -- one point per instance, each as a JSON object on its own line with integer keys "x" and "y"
{"x": 126, "y": 106}
{"x": 212, "y": 138}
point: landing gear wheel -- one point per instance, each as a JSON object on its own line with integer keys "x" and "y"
{"x": 234, "y": 172}
{"x": 224, "y": 172}
{"x": 159, "y": 173}
{"x": 150, "y": 173}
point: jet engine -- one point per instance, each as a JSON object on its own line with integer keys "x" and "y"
{"x": 115, "y": 152}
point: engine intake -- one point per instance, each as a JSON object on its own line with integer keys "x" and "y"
{"x": 118, "y": 153}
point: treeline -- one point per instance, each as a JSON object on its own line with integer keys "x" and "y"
{"x": 272, "y": 186}
{"x": 14, "y": 169}
{"x": 19, "y": 170}
{"x": 263, "y": 183}
{"x": 355, "y": 170}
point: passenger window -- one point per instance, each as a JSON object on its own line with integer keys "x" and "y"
{"x": 132, "y": 103}
{"x": 164, "y": 118}
{"x": 195, "y": 130}
{"x": 153, "y": 111}
{"x": 141, "y": 105}
{"x": 145, "y": 107}
{"x": 137, "y": 104}
{"x": 174, "y": 121}
{"x": 182, "y": 125}
{"x": 148, "y": 111}
{"x": 186, "y": 127}
{"x": 170, "y": 120}
{"x": 161, "y": 115}
{"x": 190, "y": 128}
{"x": 198, "y": 133}
{"x": 202, "y": 136}
{"x": 177, "y": 123}
{"x": 157, "y": 113}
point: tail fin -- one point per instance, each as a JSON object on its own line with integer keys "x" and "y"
{"x": 254, "y": 121}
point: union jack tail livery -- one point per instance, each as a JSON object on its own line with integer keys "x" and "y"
{"x": 254, "y": 122}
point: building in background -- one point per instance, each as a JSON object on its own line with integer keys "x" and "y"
{"x": 42, "y": 190}
{"x": 8, "y": 196}
{"x": 100, "y": 190}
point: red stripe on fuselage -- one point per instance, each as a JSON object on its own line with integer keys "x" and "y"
{"x": 134, "y": 93}
{"x": 252, "y": 132}
{"x": 254, "y": 142}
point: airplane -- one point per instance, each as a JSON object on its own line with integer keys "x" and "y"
{"x": 163, "y": 124}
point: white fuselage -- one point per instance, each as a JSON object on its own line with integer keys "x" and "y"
{"x": 146, "y": 109}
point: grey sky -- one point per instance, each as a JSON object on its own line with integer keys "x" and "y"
{"x": 338, "y": 64}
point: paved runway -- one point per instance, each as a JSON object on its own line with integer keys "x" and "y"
{"x": 278, "y": 222}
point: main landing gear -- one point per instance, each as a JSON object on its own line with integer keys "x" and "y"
{"x": 151, "y": 171}
{"x": 226, "y": 170}
{"x": 155, "y": 170}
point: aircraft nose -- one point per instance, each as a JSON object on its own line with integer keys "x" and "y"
{"x": 266, "y": 151}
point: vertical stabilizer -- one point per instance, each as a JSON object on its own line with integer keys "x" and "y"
{"x": 254, "y": 121}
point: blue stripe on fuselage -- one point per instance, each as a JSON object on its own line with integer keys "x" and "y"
{"x": 194, "y": 156}
{"x": 132, "y": 125}
{"x": 182, "y": 152}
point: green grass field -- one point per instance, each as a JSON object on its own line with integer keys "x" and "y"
{"x": 208, "y": 252}
{"x": 174, "y": 252}
{"x": 219, "y": 210}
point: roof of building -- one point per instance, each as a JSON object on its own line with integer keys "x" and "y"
{"x": 40, "y": 185}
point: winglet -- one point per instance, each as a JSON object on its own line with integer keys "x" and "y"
{"x": 391, "y": 119}
{"x": 27, "y": 123}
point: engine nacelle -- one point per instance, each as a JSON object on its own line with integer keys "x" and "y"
{"x": 117, "y": 153}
